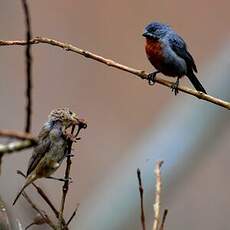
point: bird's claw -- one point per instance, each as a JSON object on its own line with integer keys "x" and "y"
{"x": 174, "y": 87}
{"x": 69, "y": 179}
{"x": 70, "y": 137}
{"x": 151, "y": 77}
{"x": 70, "y": 155}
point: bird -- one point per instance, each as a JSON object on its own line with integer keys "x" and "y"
{"x": 51, "y": 148}
{"x": 168, "y": 53}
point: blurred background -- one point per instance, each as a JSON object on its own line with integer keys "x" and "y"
{"x": 130, "y": 124}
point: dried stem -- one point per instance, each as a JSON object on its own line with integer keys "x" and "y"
{"x": 16, "y": 146}
{"x": 44, "y": 196}
{"x": 140, "y": 73}
{"x": 156, "y": 205}
{"x": 73, "y": 215}
{"x": 18, "y": 135}
{"x": 65, "y": 187}
{"x": 163, "y": 219}
{"x": 28, "y": 67}
{"x": 141, "y": 190}
{"x": 44, "y": 216}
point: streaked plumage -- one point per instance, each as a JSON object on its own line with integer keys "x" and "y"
{"x": 51, "y": 149}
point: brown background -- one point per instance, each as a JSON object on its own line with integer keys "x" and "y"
{"x": 119, "y": 108}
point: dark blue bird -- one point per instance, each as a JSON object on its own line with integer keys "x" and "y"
{"x": 168, "y": 53}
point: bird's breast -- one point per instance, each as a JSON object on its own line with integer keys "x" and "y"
{"x": 164, "y": 59}
{"x": 154, "y": 51}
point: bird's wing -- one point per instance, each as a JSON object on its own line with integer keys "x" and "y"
{"x": 44, "y": 144}
{"x": 178, "y": 45}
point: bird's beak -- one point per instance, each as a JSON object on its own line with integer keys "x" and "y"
{"x": 75, "y": 120}
{"x": 78, "y": 121}
{"x": 148, "y": 34}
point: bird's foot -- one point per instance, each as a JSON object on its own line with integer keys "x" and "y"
{"x": 151, "y": 77}
{"x": 69, "y": 179}
{"x": 70, "y": 155}
{"x": 71, "y": 137}
{"x": 174, "y": 87}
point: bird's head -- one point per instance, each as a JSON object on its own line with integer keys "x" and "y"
{"x": 65, "y": 116}
{"x": 155, "y": 30}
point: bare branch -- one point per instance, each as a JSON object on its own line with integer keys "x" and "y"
{"x": 65, "y": 188}
{"x": 141, "y": 190}
{"x": 163, "y": 219}
{"x": 15, "y": 146}
{"x": 18, "y": 135}
{"x": 28, "y": 67}
{"x": 44, "y": 216}
{"x": 73, "y": 215}
{"x": 44, "y": 196}
{"x": 140, "y": 73}
{"x": 156, "y": 205}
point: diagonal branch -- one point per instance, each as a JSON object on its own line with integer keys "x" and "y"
{"x": 44, "y": 196}
{"x": 140, "y": 73}
{"x": 17, "y": 135}
{"x": 26, "y": 141}
{"x": 16, "y": 146}
{"x": 42, "y": 214}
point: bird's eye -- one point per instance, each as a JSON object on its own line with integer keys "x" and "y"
{"x": 70, "y": 113}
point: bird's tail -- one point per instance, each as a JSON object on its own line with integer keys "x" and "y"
{"x": 192, "y": 77}
{"x": 29, "y": 180}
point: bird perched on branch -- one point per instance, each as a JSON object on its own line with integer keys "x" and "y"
{"x": 168, "y": 53}
{"x": 52, "y": 145}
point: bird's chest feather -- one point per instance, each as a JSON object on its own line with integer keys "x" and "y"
{"x": 154, "y": 51}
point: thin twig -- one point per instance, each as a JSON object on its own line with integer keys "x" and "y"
{"x": 156, "y": 205}
{"x": 44, "y": 196}
{"x": 28, "y": 67}
{"x": 16, "y": 146}
{"x": 163, "y": 219}
{"x": 140, "y": 73}
{"x": 73, "y": 215}
{"x": 65, "y": 187}
{"x": 44, "y": 216}
{"x": 18, "y": 135}
{"x": 141, "y": 190}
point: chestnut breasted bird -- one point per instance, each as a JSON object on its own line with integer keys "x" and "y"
{"x": 168, "y": 53}
{"x": 51, "y": 149}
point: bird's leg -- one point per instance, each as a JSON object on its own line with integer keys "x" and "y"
{"x": 69, "y": 155}
{"x": 70, "y": 137}
{"x": 175, "y": 85}
{"x": 151, "y": 77}
{"x": 61, "y": 179}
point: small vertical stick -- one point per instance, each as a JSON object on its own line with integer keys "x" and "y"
{"x": 65, "y": 187}
{"x": 28, "y": 67}
{"x": 163, "y": 219}
{"x": 141, "y": 190}
{"x": 156, "y": 205}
